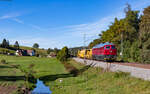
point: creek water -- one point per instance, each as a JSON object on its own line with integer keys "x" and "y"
{"x": 41, "y": 88}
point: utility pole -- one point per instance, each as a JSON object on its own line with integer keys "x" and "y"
{"x": 121, "y": 53}
{"x": 84, "y": 43}
{"x": 84, "y": 35}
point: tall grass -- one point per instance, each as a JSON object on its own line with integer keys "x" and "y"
{"x": 97, "y": 81}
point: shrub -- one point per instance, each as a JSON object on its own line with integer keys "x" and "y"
{"x": 126, "y": 50}
{"x": 135, "y": 52}
{"x": 63, "y": 55}
{"x": 120, "y": 74}
{"x": 145, "y": 52}
{"x": 3, "y": 61}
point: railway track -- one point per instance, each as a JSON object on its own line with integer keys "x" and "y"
{"x": 133, "y": 64}
{"x": 136, "y": 70}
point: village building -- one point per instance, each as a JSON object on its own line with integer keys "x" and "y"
{"x": 52, "y": 54}
{"x": 25, "y": 53}
{"x": 31, "y": 52}
{"x": 18, "y": 53}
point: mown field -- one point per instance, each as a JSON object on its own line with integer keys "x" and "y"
{"x": 12, "y": 76}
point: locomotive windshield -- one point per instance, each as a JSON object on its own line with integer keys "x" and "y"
{"x": 107, "y": 47}
{"x": 112, "y": 47}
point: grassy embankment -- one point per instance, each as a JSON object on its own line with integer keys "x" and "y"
{"x": 96, "y": 81}
{"x": 10, "y": 75}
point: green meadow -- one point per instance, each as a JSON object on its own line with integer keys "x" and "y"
{"x": 10, "y": 75}
{"x": 98, "y": 81}
{"x": 59, "y": 78}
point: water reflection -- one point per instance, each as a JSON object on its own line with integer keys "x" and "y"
{"x": 41, "y": 88}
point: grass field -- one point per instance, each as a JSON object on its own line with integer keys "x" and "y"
{"x": 96, "y": 81}
{"x": 53, "y": 73}
{"x": 10, "y": 75}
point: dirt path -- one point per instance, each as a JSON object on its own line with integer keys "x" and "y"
{"x": 4, "y": 89}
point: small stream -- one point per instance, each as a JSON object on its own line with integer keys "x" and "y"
{"x": 41, "y": 88}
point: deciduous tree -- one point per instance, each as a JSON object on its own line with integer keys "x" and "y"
{"x": 16, "y": 45}
{"x": 35, "y": 45}
{"x": 145, "y": 36}
{"x": 63, "y": 54}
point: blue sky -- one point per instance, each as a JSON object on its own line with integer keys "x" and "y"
{"x": 58, "y": 23}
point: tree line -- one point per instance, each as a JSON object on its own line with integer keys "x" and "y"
{"x": 131, "y": 35}
{"x": 5, "y": 44}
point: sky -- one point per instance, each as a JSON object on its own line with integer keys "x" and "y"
{"x": 59, "y": 23}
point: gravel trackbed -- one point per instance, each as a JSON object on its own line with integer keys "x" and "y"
{"x": 136, "y": 70}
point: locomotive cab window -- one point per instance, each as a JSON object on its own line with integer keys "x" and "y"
{"x": 107, "y": 47}
{"x": 112, "y": 47}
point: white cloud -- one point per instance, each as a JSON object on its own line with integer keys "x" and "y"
{"x": 75, "y": 33}
{"x": 140, "y": 3}
{"x": 9, "y": 16}
{"x": 43, "y": 42}
{"x": 36, "y": 27}
{"x": 13, "y": 17}
{"x": 26, "y": 24}
{"x": 18, "y": 20}
{"x": 72, "y": 35}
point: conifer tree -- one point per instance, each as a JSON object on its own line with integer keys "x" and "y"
{"x": 4, "y": 43}
{"x": 16, "y": 45}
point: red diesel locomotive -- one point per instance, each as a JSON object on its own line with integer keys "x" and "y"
{"x": 104, "y": 51}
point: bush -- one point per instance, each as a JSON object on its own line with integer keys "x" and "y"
{"x": 126, "y": 50}
{"x": 145, "y": 52}
{"x": 135, "y": 52}
{"x": 63, "y": 54}
{"x": 120, "y": 74}
{"x": 3, "y": 61}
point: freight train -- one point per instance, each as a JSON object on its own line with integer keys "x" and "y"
{"x": 103, "y": 51}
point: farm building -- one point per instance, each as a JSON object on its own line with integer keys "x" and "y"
{"x": 31, "y": 52}
{"x": 21, "y": 53}
{"x": 25, "y": 53}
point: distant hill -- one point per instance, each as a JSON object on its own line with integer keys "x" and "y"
{"x": 12, "y": 50}
{"x": 5, "y": 51}
{"x": 38, "y": 50}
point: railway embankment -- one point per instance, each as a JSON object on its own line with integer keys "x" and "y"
{"x": 135, "y": 70}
